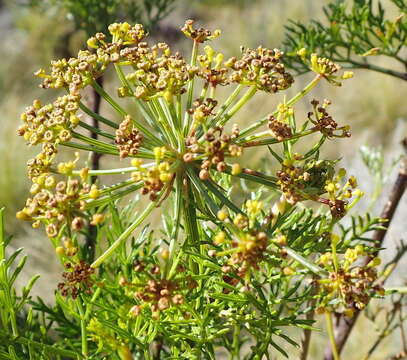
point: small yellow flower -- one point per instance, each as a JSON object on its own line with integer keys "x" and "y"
{"x": 94, "y": 192}
{"x": 222, "y": 215}
{"x": 136, "y": 163}
{"x": 351, "y": 255}
{"x": 240, "y": 221}
{"x": 236, "y": 169}
{"x": 97, "y": 219}
{"x": 302, "y": 52}
{"x": 165, "y": 177}
{"x": 254, "y": 207}
{"x": 325, "y": 259}
{"x": 159, "y": 153}
{"x": 60, "y": 250}
{"x": 375, "y": 262}
{"x": 220, "y": 237}
{"x": 347, "y": 75}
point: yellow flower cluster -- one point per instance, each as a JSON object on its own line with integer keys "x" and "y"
{"x": 352, "y": 285}
{"x": 215, "y": 148}
{"x": 212, "y": 68}
{"x": 339, "y": 195}
{"x": 55, "y": 204}
{"x": 201, "y": 110}
{"x": 155, "y": 177}
{"x": 199, "y": 35}
{"x": 128, "y": 139}
{"x": 246, "y": 245}
{"x": 157, "y": 72}
{"x": 324, "y": 67}
{"x": 51, "y": 123}
{"x": 324, "y": 123}
{"x": 77, "y": 73}
{"x": 262, "y": 68}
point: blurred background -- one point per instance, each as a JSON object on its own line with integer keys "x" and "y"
{"x": 373, "y": 104}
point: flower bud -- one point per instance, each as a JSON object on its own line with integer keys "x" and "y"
{"x": 222, "y": 215}
{"x": 236, "y": 169}
{"x": 60, "y": 250}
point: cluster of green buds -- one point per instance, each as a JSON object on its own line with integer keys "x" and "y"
{"x": 201, "y": 110}
{"x": 303, "y": 180}
{"x": 107, "y": 339}
{"x": 349, "y": 285}
{"x": 212, "y": 68}
{"x": 308, "y": 180}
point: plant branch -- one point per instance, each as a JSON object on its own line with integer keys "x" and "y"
{"x": 345, "y": 325}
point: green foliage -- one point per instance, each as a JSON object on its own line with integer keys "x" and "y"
{"x": 94, "y": 16}
{"x": 218, "y": 274}
{"x": 23, "y": 332}
{"x": 352, "y": 35}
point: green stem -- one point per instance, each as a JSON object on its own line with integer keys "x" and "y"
{"x": 89, "y": 148}
{"x": 42, "y": 346}
{"x": 140, "y": 154}
{"x": 310, "y": 266}
{"x": 226, "y": 105}
{"x": 242, "y": 101}
{"x": 290, "y": 102}
{"x": 368, "y": 66}
{"x": 235, "y": 344}
{"x": 177, "y": 211}
{"x": 108, "y": 98}
{"x": 94, "y": 142}
{"x": 96, "y": 130}
{"x": 98, "y": 117}
{"x": 191, "y": 227}
{"x": 123, "y": 237}
{"x": 172, "y": 122}
{"x": 190, "y": 90}
{"x": 113, "y": 197}
{"x": 112, "y": 171}
{"x": 144, "y": 111}
{"x": 272, "y": 140}
{"x": 84, "y": 333}
{"x": 330, "y": 328}
{"x": 165, "y": 126}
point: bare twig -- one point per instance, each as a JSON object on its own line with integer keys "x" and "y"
{"x": 388, "y": 328}
{"x": 95, "y": 165}
{"x": 306, "y": 335}
{"x": 399, "y": 356}
{"x": 345, "y": 325}
{"x": 96, "y": 101}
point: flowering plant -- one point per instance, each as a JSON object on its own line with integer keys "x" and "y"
{"x": 222, "y": 272}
